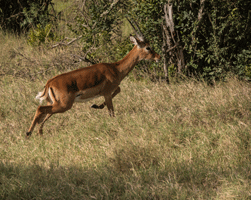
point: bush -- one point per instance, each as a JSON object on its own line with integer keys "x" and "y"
{"x": 98, "y": 21}
{"x": 41, "y": 34}
{"x": 17, "y": 16}
{"x": 213, "y": 35}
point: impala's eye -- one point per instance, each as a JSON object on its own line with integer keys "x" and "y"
{"x": 148, "y": 48}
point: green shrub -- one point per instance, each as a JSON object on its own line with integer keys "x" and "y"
{"x": 19, "y": 16}
{"x": 213, "y": 46}
{"x": 41, "y": 35}
{"x": 248, "y": 72}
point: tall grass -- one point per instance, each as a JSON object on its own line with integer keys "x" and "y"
{"x": 178, "y": 141}
{"x": 184, "y": 140}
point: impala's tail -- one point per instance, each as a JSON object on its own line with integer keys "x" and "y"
{"x": 42, "y": 95}
{"x": 47, "y": 94}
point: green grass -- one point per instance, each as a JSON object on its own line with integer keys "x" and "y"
{"x": 184, "y": 140}
{"x": 178, "y": 141}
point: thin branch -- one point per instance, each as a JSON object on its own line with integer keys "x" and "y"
{"x": 66, "y": 44}
{"x": 171, "y": 48}
{"x": 169, "y": 19}
{"x": 106, "y": 12}
{"x": 111, "y": 7}
{"x": 83, "y": 59}
{"x": 200, "y": 14}
{"x": 15, "y": 15}
{"x": 83, "y": 5}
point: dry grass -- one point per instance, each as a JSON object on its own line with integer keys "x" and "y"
{"x": 185, "y": 140}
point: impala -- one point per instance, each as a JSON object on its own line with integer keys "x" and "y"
{"x": 83, "y": 84}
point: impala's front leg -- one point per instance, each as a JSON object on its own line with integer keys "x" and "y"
{"x": 108, "y": 102}
{"x": 101, "y": 106}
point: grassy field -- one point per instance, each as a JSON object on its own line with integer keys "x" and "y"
{"x": 184, "y": 140}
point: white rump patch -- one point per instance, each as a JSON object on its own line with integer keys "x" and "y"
{"x": 40, "y": 97}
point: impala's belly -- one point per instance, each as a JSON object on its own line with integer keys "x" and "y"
{"x": 88, "y": 94}
{"x": 82, "y": 100}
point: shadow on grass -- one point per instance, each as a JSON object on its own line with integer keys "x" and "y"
{"x": 103, "y": 182}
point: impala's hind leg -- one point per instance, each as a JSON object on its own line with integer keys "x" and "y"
{"x": 47, "y": 111}
{"x": 43, "y": 113}
{"x": 39, "y": 117}
{"x": 42, "y": 125}
{"x": 44, "y": 118}
{"x": 101, "y": 106}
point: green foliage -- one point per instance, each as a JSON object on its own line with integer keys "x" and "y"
{"x": 172, "y": 70}
{"x": 18, "y": 16}
{"x": 98, "y": 22}
{"x": 41, "y": 35}
{"x": 217, "y": 44}
{"x": 248, "y": 72}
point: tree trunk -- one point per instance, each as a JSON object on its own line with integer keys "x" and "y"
{"x": 172, "y": 51}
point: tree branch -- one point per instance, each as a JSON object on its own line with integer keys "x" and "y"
{"x": 106, "y": 12}
{"x": 83, "y": 59}
{"x": 66, "y": 44}
{"x": 197, "y": 24}
{"x": 171, "y": 48}
{"x": 200, "y": 13}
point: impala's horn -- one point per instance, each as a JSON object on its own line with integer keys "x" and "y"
{"x": 138, "y": 33}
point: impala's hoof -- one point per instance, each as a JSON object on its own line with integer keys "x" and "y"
{"x": 95, "y": 106}
{"x": 28, "y": 134}
{"x": 98, "y": 107}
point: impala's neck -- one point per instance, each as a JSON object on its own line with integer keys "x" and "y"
{"x": 125, "y": 65}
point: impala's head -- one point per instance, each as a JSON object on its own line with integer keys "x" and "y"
{"x": 145, "y": 51}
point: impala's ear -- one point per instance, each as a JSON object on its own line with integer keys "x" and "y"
{"x": 137, "y": 42}
{"x": 134, "y": 40}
